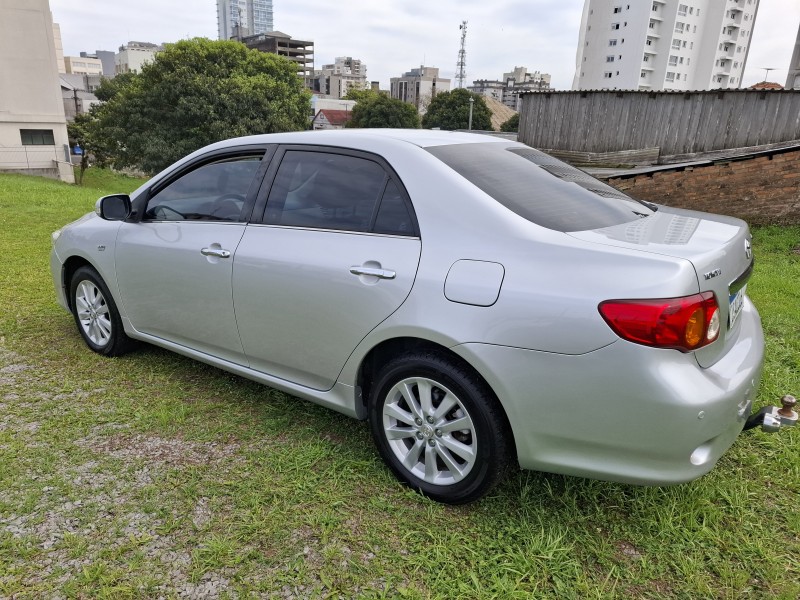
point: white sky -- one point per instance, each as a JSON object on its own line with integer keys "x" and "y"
{"x": 392, "y": 37}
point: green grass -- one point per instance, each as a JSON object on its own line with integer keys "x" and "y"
{"x": 153, "y": 475}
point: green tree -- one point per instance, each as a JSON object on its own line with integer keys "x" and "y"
{"x": 511, "y": 125}
{"x": 450, "y": 110}
{"x": 378, "y": 110}
{"x": 360, "y": 94}
{"x": 194, "y": 93}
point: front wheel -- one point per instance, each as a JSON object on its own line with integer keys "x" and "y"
{"x": 438, "y": 427}
{"x": 96, "y": 314}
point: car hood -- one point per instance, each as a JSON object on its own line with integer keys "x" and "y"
{"x": 718, "y": 247}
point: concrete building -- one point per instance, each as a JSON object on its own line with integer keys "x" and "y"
{"x": 83, "y": 65}
{"x": 793, "y": 79}
{"x": 59, "y": 48}
{"x": 106, "y": 58}
{"x": 508, "y": 89}
{"x": 299, "y": 51}
{"x": 664, "y": 44}
{"x": 418, "y": 87}
{"x": 77, "y": 92}
{"x": 243, "y": 18}
{"x": 33, "y": 130}
{"x": 134, "y": 55}
{"x": 337, "y": 79}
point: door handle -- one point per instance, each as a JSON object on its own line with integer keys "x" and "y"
{"x": 218, "y": 252}
{"x": 373, "y": 272}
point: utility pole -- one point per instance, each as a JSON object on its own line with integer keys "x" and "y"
{"x": 462, "y": 56}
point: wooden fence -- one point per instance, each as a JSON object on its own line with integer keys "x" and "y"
{"x": 677, "y": 123}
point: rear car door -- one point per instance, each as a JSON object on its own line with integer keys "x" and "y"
{"x": 174, "y": 266}
{"x": 335, "y": 253}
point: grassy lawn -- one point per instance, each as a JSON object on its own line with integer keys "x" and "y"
{"x": 153, "y": 475}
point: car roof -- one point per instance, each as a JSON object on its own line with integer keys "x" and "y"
{"x": 423, "y": 138}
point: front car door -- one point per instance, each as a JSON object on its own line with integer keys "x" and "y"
{"x": 336, "y": 253}
{"x": 174, "y": 266}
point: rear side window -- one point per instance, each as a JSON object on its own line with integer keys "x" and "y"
{"x": 540, "y": 188}
{"x": 324, "y": 190}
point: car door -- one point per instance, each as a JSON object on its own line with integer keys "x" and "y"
{"x": 174, "y": 266}
{"x": 335, "y": 254}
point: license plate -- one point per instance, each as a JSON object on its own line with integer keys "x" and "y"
{"x": 736, "y": 303}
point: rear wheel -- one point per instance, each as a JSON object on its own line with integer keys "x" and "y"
{"x": 438, "y": 427}
{"x": 96, "y": 314}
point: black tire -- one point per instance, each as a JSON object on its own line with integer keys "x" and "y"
{"x": 96, "y": 314}
{"x": 435, "y": 469}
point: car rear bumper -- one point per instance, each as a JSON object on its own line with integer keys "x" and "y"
{"x": 625, "y": 412}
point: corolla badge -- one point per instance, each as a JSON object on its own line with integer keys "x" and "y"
{"x": 748, "y": 250}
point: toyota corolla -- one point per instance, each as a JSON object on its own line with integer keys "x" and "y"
{"x": 477, "y": 301}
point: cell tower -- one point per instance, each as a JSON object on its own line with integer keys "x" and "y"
{"x": 462, "y": 56}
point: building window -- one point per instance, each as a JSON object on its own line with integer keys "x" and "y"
{"x": 682, "y": 10}
{"x": 646, "y": 58}
{"x": 609, "y": 59}
{"x": 649, "y": 42}
{"x": 617, "y": 9}
{"x": 615, "y": 26}
{"x": 676, "y": 43}
{"x": 655, "y": 7}
{"x": 652, "y": 25}
{"x": 607, "y": 74}
{"x": 684, "y": 77}
{"x": 643, "y": 74}
{"x": 612, "y": 42}
{"x": 670, "y": 76}
{"x": 673, "y": 60}
{"x": 37, "y": 137}
{"x": 679, "y": 26}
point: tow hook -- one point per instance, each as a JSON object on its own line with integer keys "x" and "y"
{"x": 772, "y": 418}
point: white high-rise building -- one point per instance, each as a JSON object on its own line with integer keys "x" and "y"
{"x": 664, "y": 44}
{"x": 241, "y": 18}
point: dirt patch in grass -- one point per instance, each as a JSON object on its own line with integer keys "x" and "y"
{"x": 173, "y": 452}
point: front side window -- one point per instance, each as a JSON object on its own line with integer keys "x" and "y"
{"x": 323, "y": 190}
{"x": 213, "y": 192}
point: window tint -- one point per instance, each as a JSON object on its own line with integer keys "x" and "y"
{"x": 213, "y": 192}
{"x": 325, "y": 191}
{"x": 37, "y": 137}
{"x": 393, "y": 216}
{"x": 540, "y": 188}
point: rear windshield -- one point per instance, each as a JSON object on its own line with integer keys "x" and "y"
{"x": 540, "y": 188}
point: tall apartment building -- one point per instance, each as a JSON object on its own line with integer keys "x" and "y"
{"x": 300, "y": 52}
{"x": 418, "y": 86}
{"x": 664, "y": 44}
{"x": 793, "y": 79}
{"x": 241, "y": 18}
{"x": 343, "y": 75}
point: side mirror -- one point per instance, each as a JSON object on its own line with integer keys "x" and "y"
{"x": 116, "y": 207}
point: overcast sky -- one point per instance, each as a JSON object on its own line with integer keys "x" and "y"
{"x": 393, "y": 37}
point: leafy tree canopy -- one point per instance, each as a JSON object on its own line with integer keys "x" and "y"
{"x": 378, "y": 110}
{"x": 511, "y": 125}
{"x": 359, "y": 95}
{"x": 197, "y": 92}
{"x": 450, "y": 110}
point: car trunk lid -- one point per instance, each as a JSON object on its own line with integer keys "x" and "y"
{"x": 718, "y": 247}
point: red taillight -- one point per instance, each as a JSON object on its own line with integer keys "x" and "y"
{"x": 684, "y": 324}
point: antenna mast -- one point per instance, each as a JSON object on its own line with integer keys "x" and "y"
{"x": 462, "y": 56}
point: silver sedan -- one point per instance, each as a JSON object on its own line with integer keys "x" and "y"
{"x": 480, "y": 303}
